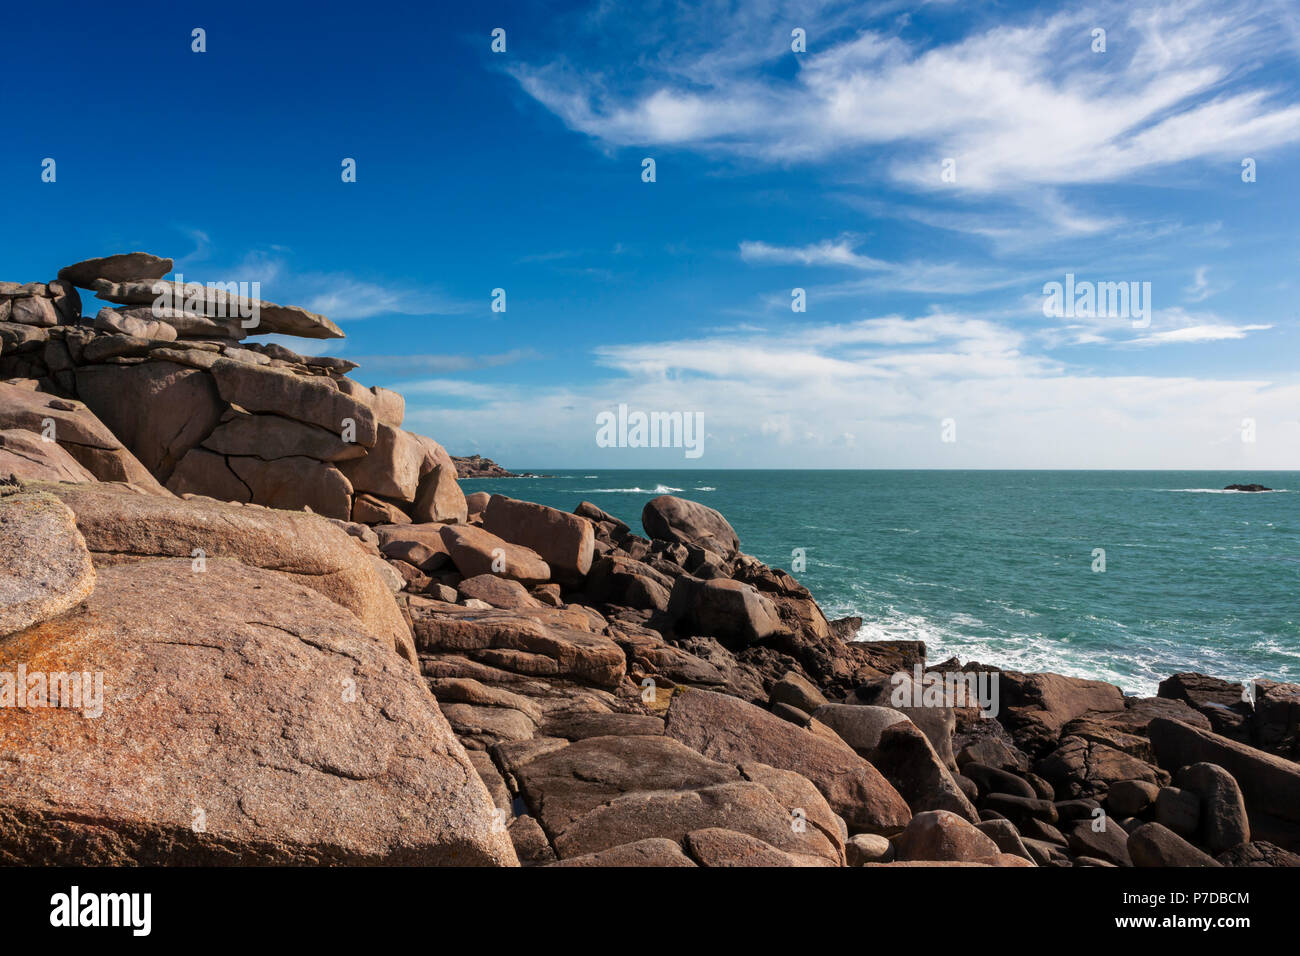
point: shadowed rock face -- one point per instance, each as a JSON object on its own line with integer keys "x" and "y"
{"x": 78, "y": 431}
{"x": 245, "y": 719}
{"x": 24, "y": 455}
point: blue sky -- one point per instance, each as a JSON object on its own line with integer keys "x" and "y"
{"x": 774, "y": 170}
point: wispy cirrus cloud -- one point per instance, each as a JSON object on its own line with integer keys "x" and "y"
{"x": 1017, "y": 104}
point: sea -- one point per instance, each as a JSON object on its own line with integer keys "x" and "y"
{"x": 1121, "y": 576}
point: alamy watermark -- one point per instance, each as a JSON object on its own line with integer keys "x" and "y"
{"x": 638, "y": 429}
{"x": 216, "y": 300}
{"x": 83, "y": 691}
{"x": 1089, "y": 300}
{"x": 923, "y": 688}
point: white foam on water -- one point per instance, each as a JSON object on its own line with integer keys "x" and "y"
{"x": 1223, "y": 491}
{"x": 656, "y": 490}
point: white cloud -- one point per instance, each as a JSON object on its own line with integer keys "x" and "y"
{"x": 791, "y": 397}
{"x": 1016, "y": 105}
{"x": 1200, "y": 333}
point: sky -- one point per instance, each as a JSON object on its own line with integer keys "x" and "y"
{"x": 921, "y": 171}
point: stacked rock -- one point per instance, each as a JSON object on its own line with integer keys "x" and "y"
{"x": 200, "y": 411}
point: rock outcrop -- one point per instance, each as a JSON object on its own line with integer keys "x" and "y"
{"x": 314, "y": 648}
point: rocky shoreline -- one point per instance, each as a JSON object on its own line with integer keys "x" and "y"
{"x": 247, "y": 618}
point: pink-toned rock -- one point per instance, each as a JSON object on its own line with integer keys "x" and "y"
{"x": 243, "y": 719}
{"x": 439, "y": 498}
{"x": 566, "y": 542}
{"x": 669, "y": 518}
{"x": 309, "y": 399}
{"x": 122, "y": 267}
{"x": 159, "y": 410}
{"x": 476, "y": 551}
{"x": 944, "y": 836}
{"x": 541, "y": 642}
{"x": 26, "y": 455}
{"x": 731, "y": 731}
{"x": 45, "y": 568}
{"x": 202, "y": 472}
{"x": 367, "y": 509}
{"x": 497, "y": 591}
{"x": 76, "y": 428}
{"x": 295, "y": 483}
{"x": 391, "y": 468}
{"x": 121, "y": 525}
{"x": 273, "y": 436}
{"x": 35, "y": 311}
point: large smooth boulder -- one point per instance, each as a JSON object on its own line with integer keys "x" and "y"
{"x": 942, "y": 836}
{"x": 1082, "y": 768}
{"x": 140, "y": 326}
{"x": 652, "y": 852}
{"x": 438, "y": 497}
{"x": 122, "y": 267}
{"x": 729, "y": 730}
{"x": 45, "y": 568}
{"x": 203, "y": 472}
{"x": 600, "y": 792}
{"x": 1220, "y": 701}
{"x": 719, "y": 847}
{"x": 566, "y": 542}
{"x": 121, "y": 525}
{"x": 624, "y": 581}
{"x": 244, "y": 719}
{"x": 390, "y": 468}
{"x": 741, "y": 806}
{"x": 859, "y": 725}
{"x": 1036, "y": 706}
{"x": 497, "y": 591}
{"x": 669, "y": 518}
{"x": 937, "y": 721}
{"x": 797, "y": 691}
{"x": 475, "y": 551}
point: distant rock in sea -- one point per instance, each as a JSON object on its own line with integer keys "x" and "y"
{"x": 476, "y": 466}
{"x": 1245, "y": 488}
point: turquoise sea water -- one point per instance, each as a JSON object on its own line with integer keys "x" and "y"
{"x": 997, "y": 566}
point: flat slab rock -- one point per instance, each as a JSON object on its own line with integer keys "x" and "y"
{"x": 117, "y": 268}
{"x": 286, "y": 319}
{"x": 119, "y": 524}
{"x": 245, "y": 719}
